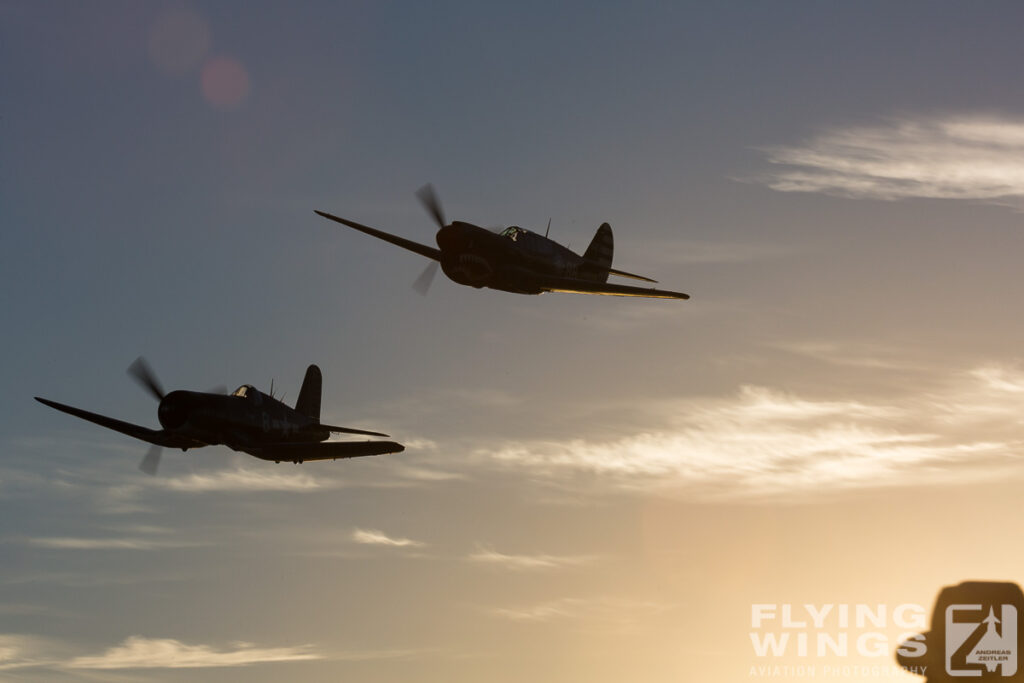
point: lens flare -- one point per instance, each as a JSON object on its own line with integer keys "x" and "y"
{"x": 225, "y": 82}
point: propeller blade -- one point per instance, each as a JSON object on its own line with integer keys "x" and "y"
{"x": 144, "y": 375}
{"x": 426, "y": 278}
{"x": 151, "y": 462}
{"x": 432, "y": 204}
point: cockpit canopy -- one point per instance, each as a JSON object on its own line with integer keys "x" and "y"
{"x": 244, "y": 390}
{"x": 530, "y": 241}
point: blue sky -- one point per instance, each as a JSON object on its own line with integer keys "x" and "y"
{"x": 592, "y": 487}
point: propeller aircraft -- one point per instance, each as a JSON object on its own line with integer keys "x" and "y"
{"x": 515, "y": 260}
{"x": 246, "y": 420}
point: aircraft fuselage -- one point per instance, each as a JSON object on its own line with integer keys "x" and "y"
{"x": 237, "y": 421}
{"x": 511, "y": 261}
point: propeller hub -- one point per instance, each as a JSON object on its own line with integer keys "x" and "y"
{"x": 448, "y": 238}
{"x": 458, "y": 237}
{"x": 174, "y": 410}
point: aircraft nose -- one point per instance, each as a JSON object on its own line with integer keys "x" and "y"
{"x": 448, "y": 238}
{"x": 173, "y": 411}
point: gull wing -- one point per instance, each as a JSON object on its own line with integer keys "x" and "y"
{"x": 159, "y": 437}
{"x": 421, "y": 249}
{"x": 327, "y": 450}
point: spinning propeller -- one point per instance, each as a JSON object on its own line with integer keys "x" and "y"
{"x": 142, "y": 373}
{"x": 428, "y": 198}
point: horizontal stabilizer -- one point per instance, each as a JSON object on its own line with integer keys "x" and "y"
{"x": 613, "y": 271}
{"x": 349, "y": 430}
{"x": 622, "y": 273}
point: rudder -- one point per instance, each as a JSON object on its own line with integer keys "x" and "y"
{"x": 309, "y": 395}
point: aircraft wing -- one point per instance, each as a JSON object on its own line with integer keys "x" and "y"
{"x": 325, "y": 450}
{"x": 154, "y": 436}
{"x": 421, "y": 249}
{"x": 563, "y": 284}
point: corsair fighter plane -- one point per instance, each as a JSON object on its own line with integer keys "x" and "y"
{"x": 514, "y": 260}
{"x": 246, "y": 420}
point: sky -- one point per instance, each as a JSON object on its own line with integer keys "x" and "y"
{"x": 593, "y": 488}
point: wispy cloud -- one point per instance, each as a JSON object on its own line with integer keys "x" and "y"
{"x": 127, "y": 537}
{"x": 376, "y": 537}
{"x": 957, "y": 157}
{"x": 866, "y": 356}
{"x": 1000, "y": 379}
{"x": 70, "y": 543}
{"x": 492, "y": 557}
{"x": 764, "y": 443}
{"x": 602, "y": 613}
{"x": 19, "y": 651}
{"x": 425, "y": 475}
{"x": 242, "y": 480}
{"x": 138, "y": 652}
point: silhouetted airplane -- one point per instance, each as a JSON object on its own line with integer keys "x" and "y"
{"x": 514, "y": 260}
{"x": 247, "y": 420}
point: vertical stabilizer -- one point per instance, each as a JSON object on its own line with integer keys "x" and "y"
{"x": 598, "y": 255}
{"x": 309, "y": 395}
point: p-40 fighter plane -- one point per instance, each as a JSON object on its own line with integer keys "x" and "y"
{"x": 514, "y": 260}
{"x": 247, "y": 420}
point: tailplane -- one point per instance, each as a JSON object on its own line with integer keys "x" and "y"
{"x": 309, "y": 395}
{"x": 598, "y": 255}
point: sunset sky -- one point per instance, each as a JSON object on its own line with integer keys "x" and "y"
{"x": 593, "y": 489}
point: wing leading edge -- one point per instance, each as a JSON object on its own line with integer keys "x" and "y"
{"x": 153, "y": 436}
{"x": 416, "y": 247}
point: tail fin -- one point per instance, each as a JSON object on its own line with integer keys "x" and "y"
{"x": 598, "y": 255}
{"x": 309, "y": 395}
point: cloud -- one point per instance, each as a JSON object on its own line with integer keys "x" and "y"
{"x": 526, "y": 562}
{"x": 857, "y": 355}
{"x": 600, "y": 613}
{"x": 242, "y": 480}
{"x": 375, "y": 537}
{"x": 763, "y": 442}
{"x": 18, "y": 651}
{"x": 958, "y": 157}
{"x": 138, "y": 652}
{"x": 423, "y": 474}
{"x": 69, "y": 543}
{"x": 1000, "y": 379}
